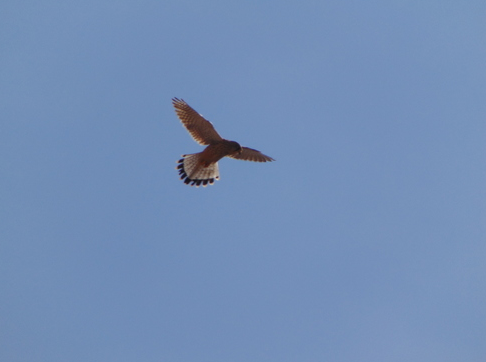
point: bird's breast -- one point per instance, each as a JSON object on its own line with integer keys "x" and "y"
{"x": 213, "y": 153}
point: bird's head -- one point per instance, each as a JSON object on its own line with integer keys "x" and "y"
{"x": 236, "y": 147}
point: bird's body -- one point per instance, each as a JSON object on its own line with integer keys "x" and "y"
{"x": 215, "y": 152}
{"x": 202, "y": 168}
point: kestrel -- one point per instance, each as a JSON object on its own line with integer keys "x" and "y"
{"x": 202, "y": 168}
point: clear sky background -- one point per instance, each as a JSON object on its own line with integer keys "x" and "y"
{"x": 364, "y": 241}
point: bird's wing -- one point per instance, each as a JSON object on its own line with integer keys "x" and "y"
{"x": 200, "y": 129}
{"x": 249, "y": 154}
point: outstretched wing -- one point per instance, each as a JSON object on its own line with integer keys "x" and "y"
{"x": 249, "y": 154}
{"x": 200, "y": 129}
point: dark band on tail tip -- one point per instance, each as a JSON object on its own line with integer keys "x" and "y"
{"x": 192, "y": 182}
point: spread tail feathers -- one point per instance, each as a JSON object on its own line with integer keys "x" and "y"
{"x": 194, "y": 172}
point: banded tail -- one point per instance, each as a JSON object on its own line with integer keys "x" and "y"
{"x": 195, "y": 173}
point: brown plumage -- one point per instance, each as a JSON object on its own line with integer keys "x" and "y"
{"x": 202, "y": 168}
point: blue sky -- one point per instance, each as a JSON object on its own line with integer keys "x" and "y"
{"x": 364, "y": 241}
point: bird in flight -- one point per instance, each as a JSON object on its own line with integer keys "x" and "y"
{"x": 201, "y": 168}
